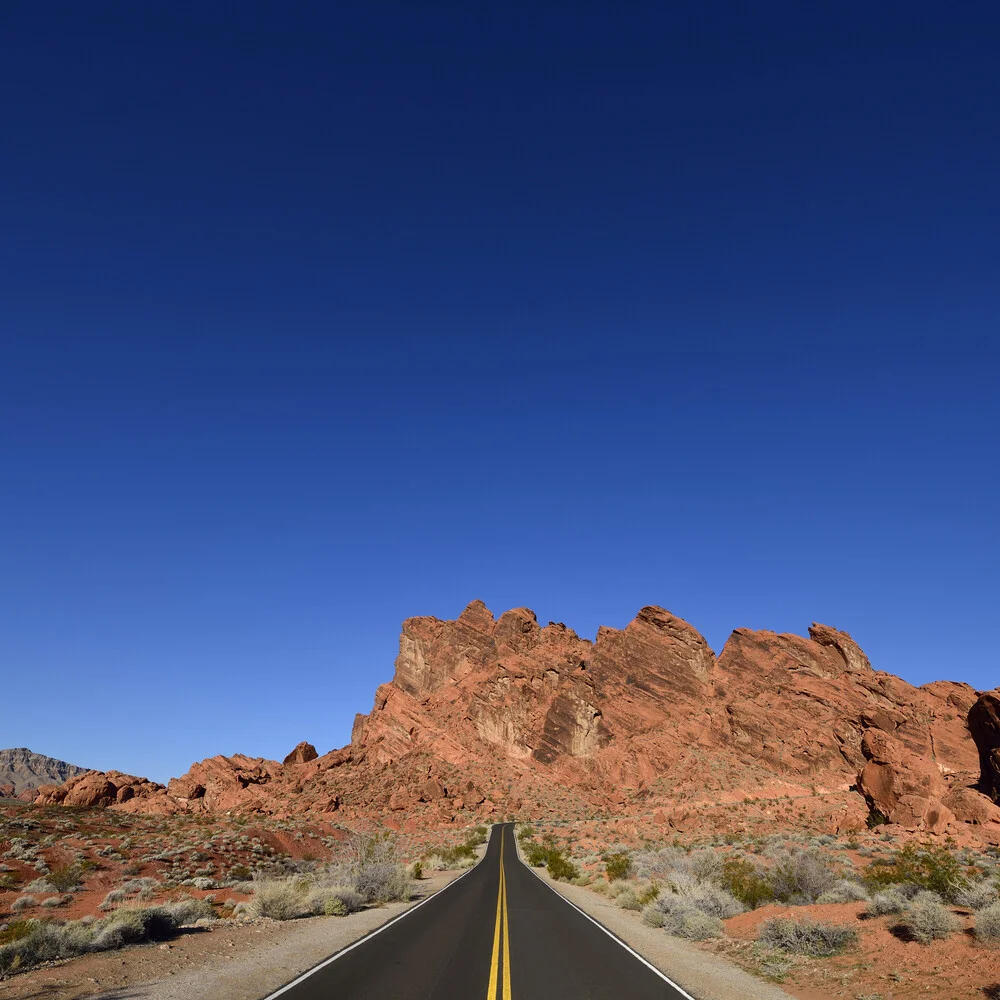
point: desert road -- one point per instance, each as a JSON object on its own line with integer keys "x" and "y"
{"x": 496, "y": 933}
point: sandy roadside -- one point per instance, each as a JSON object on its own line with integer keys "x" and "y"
{"x": 229, "y": 962}
{"x": 704, "y": 975}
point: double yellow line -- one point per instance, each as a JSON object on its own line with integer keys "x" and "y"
{"x": 501, "y": 924}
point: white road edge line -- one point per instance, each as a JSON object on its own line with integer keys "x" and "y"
{"x": 378, "y": 930}
{"x": 614, "y": 937}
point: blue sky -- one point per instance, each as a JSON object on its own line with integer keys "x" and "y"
{"x": 318, "y": 317}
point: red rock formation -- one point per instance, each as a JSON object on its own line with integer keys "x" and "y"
{"x": 984, "y": 725}
{"x": 100, "y": 789}
{"x": 505, "y": 715}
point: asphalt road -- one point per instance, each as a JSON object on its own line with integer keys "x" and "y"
{"x": 497, "y": 933}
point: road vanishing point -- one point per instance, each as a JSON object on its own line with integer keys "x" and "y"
{"x": 496, "y": 933}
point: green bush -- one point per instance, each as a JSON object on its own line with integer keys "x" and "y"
{"x": 418, "y": 870}
{"x": 806, "y": 937}
{"x": 535, "y": 854}
{"x": 526, "y": 833}
{"x": 560, "y": 867}
{"x": 65, "y": 878}
{"x": 617, "y": 865}
{"x": 745, "y": 882}
{"x": 924, "y": 866}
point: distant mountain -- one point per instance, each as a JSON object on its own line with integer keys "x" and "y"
{"x": 23, "y": 769}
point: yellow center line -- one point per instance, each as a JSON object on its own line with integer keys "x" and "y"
{"x": 501, "y": 922}
{"x": 506, "y": 932}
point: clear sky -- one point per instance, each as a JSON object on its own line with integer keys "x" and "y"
{"x": 317, "y": 316}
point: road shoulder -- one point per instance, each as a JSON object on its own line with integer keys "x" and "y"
{"x": 230, "y": 961}
{"x": 704, "y": 975}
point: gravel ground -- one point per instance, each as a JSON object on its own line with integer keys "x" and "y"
{"x": 703, "y": 975}
{"x": 229, "y": 962}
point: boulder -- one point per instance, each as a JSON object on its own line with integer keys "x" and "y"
{"x": 302, "y": 754}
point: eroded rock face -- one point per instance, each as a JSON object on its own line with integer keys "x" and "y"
{"x": 901, "y": 786}
{"x": 984, "y": 725}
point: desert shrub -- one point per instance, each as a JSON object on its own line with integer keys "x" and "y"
{"x": 715, "y": 901}
{"x": 23, "y": 903}
{"x": 977, "y": 895}
{"x": 746, "y": 882}
{"x": 535, "y": 854}
{"x": 526, "y": 833}
{"x": 280, "y": 899}
{"x": 189, "y": 911}
{"x": 334, "y": 907}
{"x": 844, "y": 891}
{"x": 65, "y": 878}
{"x": 617, "y": 866}
{"x": 600, "y": 887}
{"x": 417, "y": 870}
{"x": 924, "y": 866}
{"x": 628, "y": 900}
{"x": 799, "y": 877}
{"x": 382, "y": 882}
{"x": 926, "y": 919}
{"x": 891, "y": 900}
{"x": 988, "y": 923}
{"x": 560, "y": 867}
{"x": 660, "y": 863}
{"x": 678, "y": 915}
{"x": 648, "y": 893}
{"x": 806, "y": 937}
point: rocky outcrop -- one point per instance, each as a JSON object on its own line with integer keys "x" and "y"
{"x": 489, "y": 715}
{"x": 94, "y": 789}
{"x": 23, "y": 770}
{"x": 984, "y": 725}
{"x": 302, "y": 754}
{"x": 902, "y": 787}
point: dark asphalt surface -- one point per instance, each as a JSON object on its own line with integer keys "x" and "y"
{"x": 450, "y": 945}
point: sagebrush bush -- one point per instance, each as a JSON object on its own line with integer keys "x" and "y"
{"x": 977, "y": 895}
{"x": 628, "y": 900}
{"x": 888, "y": 901}
{"x": 844, "y": 891}
{"x": 382, "y": 882}
{"x": 926, "y": 919}
{"x": 678, "y": 915}
{"x": 806, "y": 937}
{"x": 47, "y": 941}
{"x": 988, "y": 923}
{"x": 799, "y": 877}
{"x": 280, "y": 899}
